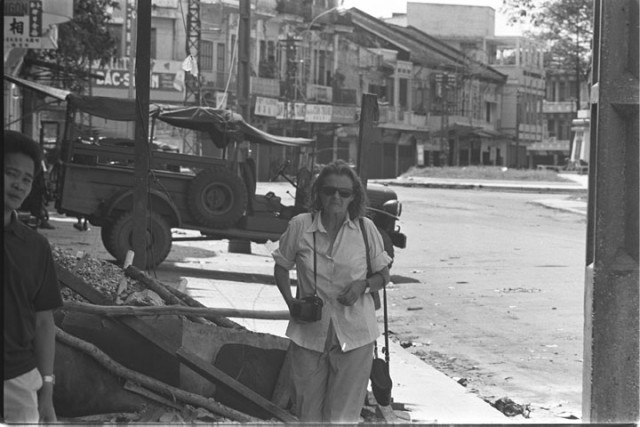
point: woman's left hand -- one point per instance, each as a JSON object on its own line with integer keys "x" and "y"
{"x": 352, "y": 292}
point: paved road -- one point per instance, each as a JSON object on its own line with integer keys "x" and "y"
{"x": 490, "y": 288}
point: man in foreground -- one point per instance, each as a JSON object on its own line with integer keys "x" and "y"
{"x": 31, "y": 294}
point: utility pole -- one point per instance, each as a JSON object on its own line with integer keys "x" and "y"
{"x": 244, "y": 79}
{"x": 141, "y": 149}
{"x": 244, "y": 82}
{"x": 518, "y": 119}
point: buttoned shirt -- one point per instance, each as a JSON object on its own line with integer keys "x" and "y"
{"x": 337, "y": 266}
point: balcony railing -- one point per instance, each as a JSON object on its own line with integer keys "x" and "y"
{"x": 399, "y": 115}
{"x": 265, "y": 87}
{"x": 558, "y": 107}
{"x": 317, "y": 93}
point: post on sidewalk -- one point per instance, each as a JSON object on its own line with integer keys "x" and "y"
{"x": 141, "y": 149}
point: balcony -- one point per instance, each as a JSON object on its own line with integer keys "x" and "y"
{"x": 558, "y": 107}
{"x": 265, "y": 87}
{"x": 345, "y": 96}
{"x": 407, "y": 119}
{"x": 317, "y": 93}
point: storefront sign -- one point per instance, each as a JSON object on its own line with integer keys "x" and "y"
{"x": 266, "y": 107}
{"x": 22, "y": 24}
{"x": 116, "y": 75}
{"x": 342, "y": 114}
{"x": 318, "y": 113}
{"x": 290, "y": 111}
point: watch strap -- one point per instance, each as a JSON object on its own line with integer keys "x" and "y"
{"x": 49, "y": 379}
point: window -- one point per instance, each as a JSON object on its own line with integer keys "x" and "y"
{"x": 551, "y": 128}
{"x": 404, "y": 87}
{"x": 487, "y": 117}
{"x": 220, "y": 65}
{"x": 206, "y": 55}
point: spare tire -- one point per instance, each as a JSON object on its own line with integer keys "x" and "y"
{"x": 158, "y": 236}
{"x": 217, "y": 197}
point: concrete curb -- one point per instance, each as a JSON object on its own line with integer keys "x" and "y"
{"x": 533, "y": 188}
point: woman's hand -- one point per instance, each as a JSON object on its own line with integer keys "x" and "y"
{"x": 352, "y": 292}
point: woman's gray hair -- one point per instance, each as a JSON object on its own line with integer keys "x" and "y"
{"x": 358, "y": 205}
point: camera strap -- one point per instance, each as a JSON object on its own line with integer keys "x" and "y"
{"x": 315, "y": 263}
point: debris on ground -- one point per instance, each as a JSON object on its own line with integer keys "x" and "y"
{"x": 85, "y": 279}
{"x": 511, "y": 408}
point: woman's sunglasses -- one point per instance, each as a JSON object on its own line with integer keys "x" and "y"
{"x": 328, "y": 191}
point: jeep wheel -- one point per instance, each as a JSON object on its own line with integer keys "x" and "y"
{"x": 217, "y": 198}
{"x": 158, "y": 238}
{"x": 105, "y": 232}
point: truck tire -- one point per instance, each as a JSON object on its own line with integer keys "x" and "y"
{"x": 158, "y": 238}
{"x": 105, "y": 232}
{"x": 217, "y": 198}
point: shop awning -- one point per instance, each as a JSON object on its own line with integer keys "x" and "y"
{"x": 54, "y": 92}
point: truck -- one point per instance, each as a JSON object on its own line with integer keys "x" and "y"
{"x": 93, "y": 174}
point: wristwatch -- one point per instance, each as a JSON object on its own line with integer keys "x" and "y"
{"x": 49, "y": 379}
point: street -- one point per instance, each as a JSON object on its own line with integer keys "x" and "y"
{"x": 490, "y": 290}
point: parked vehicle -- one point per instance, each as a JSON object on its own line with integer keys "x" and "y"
{"x": 93, "y": 179}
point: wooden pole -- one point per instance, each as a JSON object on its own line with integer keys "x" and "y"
{"x": 141, "y": 149}
{"x": 368, "y": 133}
{"x": 174, "y": 296}
{"x": 148, "y": 382}
{"x": 173, "y": 310}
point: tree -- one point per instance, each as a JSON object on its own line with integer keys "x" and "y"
{"x": 565, "y": 27}
{"x": 81, "y": 41}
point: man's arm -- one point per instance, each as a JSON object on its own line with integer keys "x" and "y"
{"x": 45, "y": 348}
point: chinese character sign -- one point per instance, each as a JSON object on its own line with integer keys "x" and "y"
{"x": 22, "y": 24}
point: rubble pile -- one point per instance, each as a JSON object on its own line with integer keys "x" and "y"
{"x": 120, "y": 289}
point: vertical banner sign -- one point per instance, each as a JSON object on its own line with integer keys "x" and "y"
{"x": 22, "y": 24}
{"x": 128, "y": 27}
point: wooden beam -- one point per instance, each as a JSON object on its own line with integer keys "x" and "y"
{"x": 173, "y": 310}
{"x": 209, "y": 371}
{"x": 75, "y": 283}
{"x": 151, "y": 383}
{"x": 174, "y": 296}
{"x": 200, "y": 366}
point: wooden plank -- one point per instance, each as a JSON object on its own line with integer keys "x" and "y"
{"x": 174, "y": 310}
{"x": 77, "y": 284}
{"x": 135, "y": 388}
{"x": 209, "y": 371}
{"x": 169, "y": 295}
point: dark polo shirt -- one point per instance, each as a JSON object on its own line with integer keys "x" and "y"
{"x": 30, "y": 285}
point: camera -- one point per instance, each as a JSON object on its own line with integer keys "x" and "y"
{"x": 309, "y": 310}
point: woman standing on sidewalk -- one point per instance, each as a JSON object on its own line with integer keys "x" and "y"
{"x": 332, "y": 354}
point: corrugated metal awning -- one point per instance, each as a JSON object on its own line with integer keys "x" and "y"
{"x": 54, "y": 92}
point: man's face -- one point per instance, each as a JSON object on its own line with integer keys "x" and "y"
{"x": 18, "y": 178}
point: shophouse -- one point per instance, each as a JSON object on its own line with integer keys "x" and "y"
{"x": 520, "y": 123}
{"x": 565, "y": 142}
{"x": 442, "y": 104}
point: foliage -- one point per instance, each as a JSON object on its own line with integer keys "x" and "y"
{"x": 564, "y": 26}
{"x": 82, "y": 40}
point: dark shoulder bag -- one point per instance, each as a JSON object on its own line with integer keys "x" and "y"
{"x": 381, "y": 383}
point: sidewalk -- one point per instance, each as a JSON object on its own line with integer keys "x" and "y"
{"x": 426, "y": 395}
{"x": 577, "y": 183}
